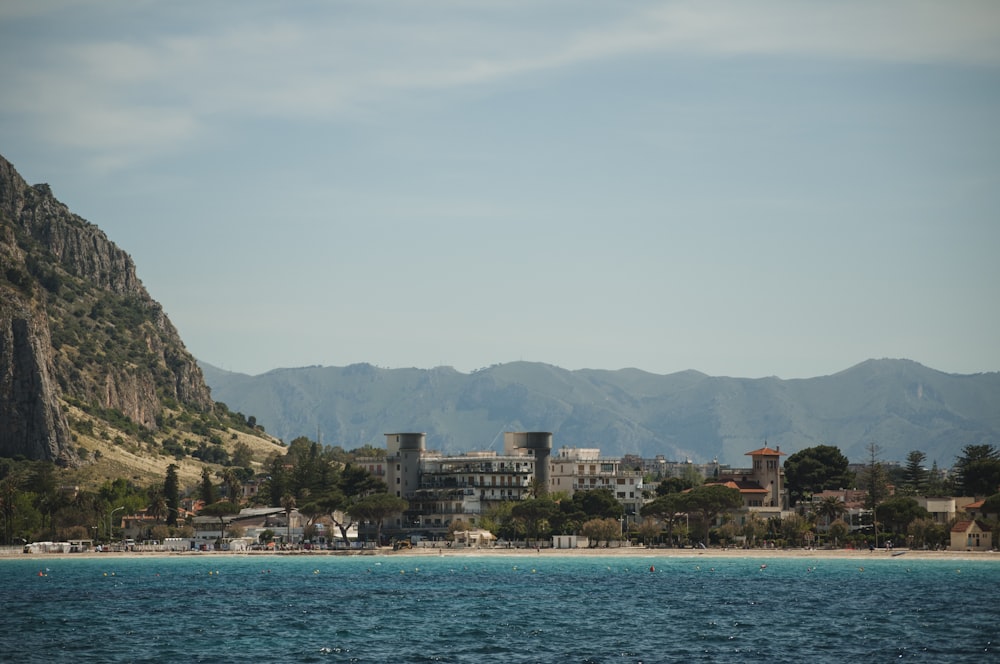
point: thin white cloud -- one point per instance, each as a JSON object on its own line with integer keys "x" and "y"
{"x": 157, "y": 91}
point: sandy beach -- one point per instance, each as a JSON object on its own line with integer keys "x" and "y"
{"x": 638, "y": 552}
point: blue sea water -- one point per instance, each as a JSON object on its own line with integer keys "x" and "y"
{"x": 526, "y": 608}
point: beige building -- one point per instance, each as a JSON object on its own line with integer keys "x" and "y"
{"x": 972, "y": 535}
{"x": 574, "y": 469}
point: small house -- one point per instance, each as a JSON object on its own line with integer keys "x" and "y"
{"x": 972, "y": 535}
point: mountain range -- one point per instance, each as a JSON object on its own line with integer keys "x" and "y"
{"x": 93, "y": 374}
{"x": 900, "y": 405}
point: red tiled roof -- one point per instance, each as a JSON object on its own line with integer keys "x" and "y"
{"x": 963, "y": 526}
{"x": 743, "y": 487}
{"x": 974, "y": 506}
{"x": 766, "y": 451}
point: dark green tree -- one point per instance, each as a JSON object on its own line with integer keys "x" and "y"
{"x": 375, "y": 508}
{"x": 710, "y": 500}
{"x": 668, "y": 509}
{"x": 831, "y": 508}
{"x": 674, "y": 485}
{"x": 898, "y": 512}
{"x": 172, "y": 494}
{"x": 598, "y": 503}
{"x": 234, "y": 487}
{"x": 991, "y": 506}
{"x": 815, "y": 469}
{"x": 356, "y": 482}
{"x": 206, "y": 491}
{"x": 536, "y": 514}
{"x": 914, "y": 474}
{"x": 875, "y": 479}
{"x": 977, "y": 470}
{"x": 288, "y": 503}
{"x": 277, "y": 482}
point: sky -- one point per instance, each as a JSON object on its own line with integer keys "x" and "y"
{"x": 744, "y": 189}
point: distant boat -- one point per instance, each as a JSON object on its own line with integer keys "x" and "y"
{"x": 898, "y": 553}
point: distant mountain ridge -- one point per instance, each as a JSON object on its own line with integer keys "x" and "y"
{"x": 898, "y": 404}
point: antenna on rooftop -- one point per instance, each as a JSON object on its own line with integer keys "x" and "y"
{"x": 493, "y": 442}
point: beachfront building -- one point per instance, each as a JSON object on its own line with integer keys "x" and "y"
{"x": 442, "y": 489}
{"x": 574, "y": 469}
{"x": 944, "y": 509}
{"x": 762, "y": 486}
{"x": 251, "y": 522}
{"x": 971, "y": 535}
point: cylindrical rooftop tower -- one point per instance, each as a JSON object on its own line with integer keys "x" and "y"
{"x": 539, "y": 445}
{"x": 403, "y": 452}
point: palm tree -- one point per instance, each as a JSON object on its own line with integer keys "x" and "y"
{"x": 831, "y": 508}
{"x": 231, "y": 479}
{"x": 288, "y": 504}
{"x": 157, "y": 507}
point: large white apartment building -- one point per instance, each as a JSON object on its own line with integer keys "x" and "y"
{"x": 444, "y": 488}
{"x": 575, "y": 469}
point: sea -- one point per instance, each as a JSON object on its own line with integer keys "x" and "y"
{"x": 502, "y": 608}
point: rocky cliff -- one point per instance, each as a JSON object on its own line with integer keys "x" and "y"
{"x": 77, "y": 325}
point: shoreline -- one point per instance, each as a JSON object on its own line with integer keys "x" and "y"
{"x": 636, "y": 552}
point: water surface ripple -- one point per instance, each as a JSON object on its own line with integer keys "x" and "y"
{"x": 464, "y": 609}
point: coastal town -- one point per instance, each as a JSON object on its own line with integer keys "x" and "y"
{"x": 531, "y": 495}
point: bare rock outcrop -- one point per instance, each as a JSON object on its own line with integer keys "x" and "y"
{"x": 76, "y": 323}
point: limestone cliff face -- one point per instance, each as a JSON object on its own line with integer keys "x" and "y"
{"x": 77, "y": 323}
{"x": 31, "y": 418}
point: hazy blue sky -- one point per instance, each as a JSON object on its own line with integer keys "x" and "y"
{"x": 742, "y": 188}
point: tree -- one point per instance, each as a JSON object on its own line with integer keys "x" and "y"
{"x": 649, "y": 529}
{"x": 231, "y": 478}
{"x": 207, "y": 489}
{"x": 157, "y": 506}
{"x": 875, "y": 479}
{"x": 992, "y": 505}
{"x": 914, "y": 474}
{"x": 9, "y": 490}
{"x": 536, "y": 515}
{"x": 667, "y": 509}
{"x": 242, "y": 455}
{"x": 926, "y": 533}
{"x": 898, "y": 512}
{"x": 977, "y": 470}
{"x": 221, "y": 510}
{"x": 831, "y": 508}
{"x": 602, "y": 530}
{"x": 376, "y": 508}
{"x": 598, "y": 503}
{"x": 815, "y": 469}
{"x": 754, "y": 528}
{"x": 276, "y": 484}
{"x": 838, "y": 531}
{"x": 172, "y": 494}
{"x": 288, "y": 504}
{"x": 793, "y": 527}
{"x": 709, "y": 500}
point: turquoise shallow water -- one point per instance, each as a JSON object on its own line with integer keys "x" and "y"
{"x": 498, "y": 609}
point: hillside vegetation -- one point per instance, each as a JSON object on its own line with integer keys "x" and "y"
{"x": 93, "y": 375}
